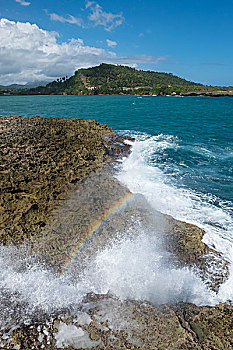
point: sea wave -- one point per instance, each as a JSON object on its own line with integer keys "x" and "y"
{"x": 142, "y": 173}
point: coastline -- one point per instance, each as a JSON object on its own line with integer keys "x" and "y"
{"x": 188, "y": 94}
{"x": 36, "y": 151}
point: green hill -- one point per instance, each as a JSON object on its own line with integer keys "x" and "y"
{"x": 111, "y": 79}
{"x": 108, "y": 79}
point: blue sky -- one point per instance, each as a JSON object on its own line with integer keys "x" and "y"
{"x": 190, "y": 39}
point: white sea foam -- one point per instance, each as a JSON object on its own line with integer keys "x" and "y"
{"x": 141, "y": 175}
{"x": 130, "y": 268}
{"x": 136, "y": 268}
{"x": 31, "y": 292}
{"x": 76, "y": 337}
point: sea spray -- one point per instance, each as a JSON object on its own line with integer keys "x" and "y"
{"x": 129, "y": 268}
{"x": 138, "y": 268}
{"x": 29, "y": 291}
{"x": 142, "y": 172}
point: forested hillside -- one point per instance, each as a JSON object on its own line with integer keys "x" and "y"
{"x": 108, "y": 79}
{"x": 111, "y": 79}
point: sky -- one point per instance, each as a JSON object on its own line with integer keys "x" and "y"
{"x": 46, "y": 39}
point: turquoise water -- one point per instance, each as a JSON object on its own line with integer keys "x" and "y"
{"x": 201, "y": 127}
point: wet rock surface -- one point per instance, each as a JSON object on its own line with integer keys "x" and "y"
{"x": 58, "y": 196}
{"x": 41, "y": 161}
{"x": 104, "y": 322}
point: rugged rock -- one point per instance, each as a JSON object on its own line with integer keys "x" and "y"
{"x": 104, "y": 322}
{"x": 41, "y": 161}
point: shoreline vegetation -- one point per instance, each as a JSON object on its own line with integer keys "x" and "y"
{"x": 56, "y": 176}
{"x": 107, "y": 79}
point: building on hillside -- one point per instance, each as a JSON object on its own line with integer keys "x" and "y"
{"x": 143, "y": 87}
{"x": 136, "y": 88}
{"x": 127, "y": 88}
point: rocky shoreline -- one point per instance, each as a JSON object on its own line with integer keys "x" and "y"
{"x": 216, "y": 93}
{"x": 56, "y": 182}
{"x": 42, "y": 160}
{"x": 187, "y": 94}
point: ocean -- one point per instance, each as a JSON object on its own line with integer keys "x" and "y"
{"x": 181, "y": 161}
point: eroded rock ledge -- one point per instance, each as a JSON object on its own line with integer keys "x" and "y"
{"x": 41, "y": 161}
{"x": 104, "y": 322}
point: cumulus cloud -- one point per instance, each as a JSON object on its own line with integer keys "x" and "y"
{"x": 111, "y": 43}
{"x": 29, "y": 53}
{"x": 68, "y": 19}
{"x": 23, "y": 3}
{"x": 101, "y": 18}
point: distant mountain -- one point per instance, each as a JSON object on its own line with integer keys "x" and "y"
{"x": 12, "y": 86}
{"x": 111, "y": 79}
{"x": 123, "y": 76}
{"x": 29, "y": 85}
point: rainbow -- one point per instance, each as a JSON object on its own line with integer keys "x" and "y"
{"x": 96, "y": 225}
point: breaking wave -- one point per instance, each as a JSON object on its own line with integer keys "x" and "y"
{"x": 149, "y": 171}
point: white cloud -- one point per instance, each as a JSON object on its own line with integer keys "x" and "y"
{"x": 137, "y": 59}
{"x": 97, "y": 17}
{"x": 29, "y": 53}
{"x": 23, "y": 3}
{"x": 111, "y": 43}
{"x": 69, "y": 19}
{"x": 101, "y": 18}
